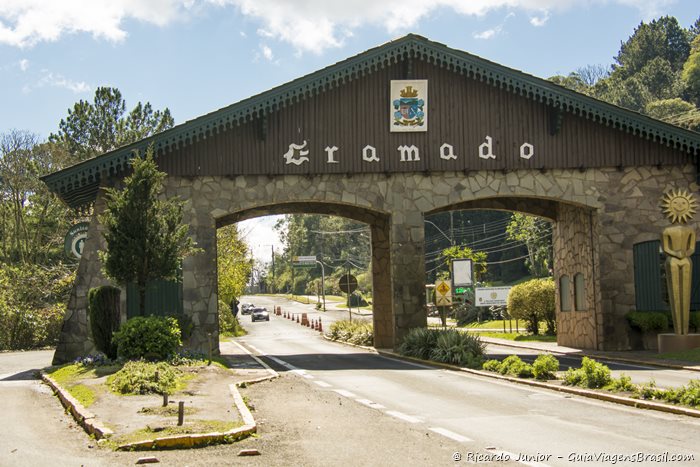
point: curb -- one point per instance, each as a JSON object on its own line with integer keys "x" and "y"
{"x": 92, "y": 426}
{"x": 604, "y": 396}
{"x": 82, "y": 416}
{"x": 350, "y": 344}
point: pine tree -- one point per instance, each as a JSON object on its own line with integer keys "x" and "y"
{"x": 145, "y": 236}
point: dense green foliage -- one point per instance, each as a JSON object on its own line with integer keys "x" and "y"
{"x": 150, "y": 337}
{"x": 145, "y": 237}
{"x": 36, "y": 275}
{"x": 592, "y": 375}
{"x": 103, "y": 308}
{"x": 648, "y": 321}
{"x": 356, "y": 332}
{"x": 656, "y": 72}
{"x": 233, "y": 265}
{"x": 229, "y": 324}
{"x": 92, "y": 128}
{"x": 138, "y": 377}
{"x": 446, "y": 346}
{"x": 32, "y": 304}
{"x": 533, "y": 302}
{"x": 419, "y": 343}
{"x": 536, "y": 234}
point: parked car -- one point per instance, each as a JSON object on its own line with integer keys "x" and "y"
{"x": 260, "y": 314}
{"x": 246, "y": 308}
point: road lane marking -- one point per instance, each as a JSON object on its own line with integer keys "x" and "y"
{"x": 345, "y": 393}
{"x": 323, "y": 384}
{"x": 451, "y": 434}
{"x": 369, "y": 403}
{"x": 402, "y": 416}
{"x": 272, "y": 372}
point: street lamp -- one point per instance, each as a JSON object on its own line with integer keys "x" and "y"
{"x": 451, "y": 240}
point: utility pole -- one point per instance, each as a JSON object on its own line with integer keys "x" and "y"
{"x": 273, "y": 268}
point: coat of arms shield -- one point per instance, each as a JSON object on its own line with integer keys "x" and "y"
{"x": 409, "y": 105}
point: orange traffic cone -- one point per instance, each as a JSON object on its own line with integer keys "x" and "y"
{"x": 297, "y": 318}
{"x": 320, "y": 326}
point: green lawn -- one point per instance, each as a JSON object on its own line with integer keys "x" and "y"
{"x": 512, "y": 336}
{"x": 692, "y": 355}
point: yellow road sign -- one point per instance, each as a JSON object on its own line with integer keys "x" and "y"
{"x": 443, "y": 293}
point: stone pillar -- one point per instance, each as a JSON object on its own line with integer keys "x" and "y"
{"x": 199, "y": 276}
{"x": 576, "y": 252}
{"x": 381, "y": 284}
{"x": 407, "y": 271}
{"x": 75, "y": 339}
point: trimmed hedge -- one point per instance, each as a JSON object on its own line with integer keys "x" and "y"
{"x": 648, "y": 321}
{"x": 103, "y": 307}
{"x": 148, "y": 337}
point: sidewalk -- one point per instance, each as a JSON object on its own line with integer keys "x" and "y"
{"x": 644, "y": 357}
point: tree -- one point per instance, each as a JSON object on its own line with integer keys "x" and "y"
{"x": 233, "y": 265}
{"x": 533, "y": 301}
{"x": 537, "y": 236}
{"x": 146, "y": 239}
{"x": 675, "y": 111}
{"x": 94, "y": 128}
{"x": 691, "y": 70}
{"x": 662, "y": 37}
{"x": 32, "y": 220}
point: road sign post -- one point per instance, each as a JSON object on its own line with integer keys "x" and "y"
{"x": 443, "y": 298}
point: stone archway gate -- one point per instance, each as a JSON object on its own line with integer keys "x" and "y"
{"x": 406, "y": 129}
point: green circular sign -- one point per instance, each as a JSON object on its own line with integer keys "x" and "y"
{"x": 75, "y": 239}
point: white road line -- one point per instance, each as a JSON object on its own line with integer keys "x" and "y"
{"x": 345, "y": 393}
{"x": 323, "y": 384}
{"x": 451, "y": 434}
{"x": 369, "y": 403}
{"x": 402, "y": 416}
{"x": 265, "y": 365}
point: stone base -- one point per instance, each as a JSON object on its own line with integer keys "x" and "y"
{"x": 678, "y": 343}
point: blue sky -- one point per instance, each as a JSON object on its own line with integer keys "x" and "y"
{"x": 195, "y": 56}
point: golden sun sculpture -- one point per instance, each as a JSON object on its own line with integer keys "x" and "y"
{"x": 679, "y": 206}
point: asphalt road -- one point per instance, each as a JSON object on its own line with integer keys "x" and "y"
{"x": 482, "y": 415}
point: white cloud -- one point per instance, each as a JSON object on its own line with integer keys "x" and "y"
{"x": 266, "y": 52}
{"x": 308, "y": 25}
{"x": 538, "y": 21}
{"x": 488, "y": 34}
{"x": 59, "y": 81}
{"x": 24, "y": 64}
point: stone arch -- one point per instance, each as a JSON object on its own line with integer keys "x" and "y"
{"x": 575, "y": 244}
{"x": 378, "y": 223}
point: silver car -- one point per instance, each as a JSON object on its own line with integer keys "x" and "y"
{"x": 260, "y": 314}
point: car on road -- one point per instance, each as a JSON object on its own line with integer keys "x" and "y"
{"x": 260, "y": 314}
{"x": 247, "y": 308}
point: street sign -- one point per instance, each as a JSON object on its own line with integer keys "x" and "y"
{"x": 462, "y": 272}
{"x": 347, "y": 283}
{"x": 489, "y": 296}
{"x": 304, "y": 261}
{"x": 460, "y": 290}
{"x": 443, "y": 293}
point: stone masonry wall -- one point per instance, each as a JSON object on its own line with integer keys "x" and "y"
{"x": 625, "y": 203}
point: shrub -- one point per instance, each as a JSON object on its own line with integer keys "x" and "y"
{"x": 690, "y": 394}
{"x": 458, "y": 348}
{"x": 624, "y": 383}
{"x": 419, "y": 343}
{"x": 492, "y": 365}
{"x": 103, "y": 307}
{"x": 648, "y": 321}
{"x": 355, "y": 332}
{"x": 694, "y": 321}
{"x": 139, "y": 377}
{"x": 229, "y": 324}
{"x": 592, "y": 375}
{"x": 149, "y": 337}
{"x": 545, "y": 367}
{"x": 514, "y": 366}
{"x": 533, "y": 301}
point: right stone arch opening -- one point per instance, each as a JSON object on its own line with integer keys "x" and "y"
{"x": 575, "y": 244}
